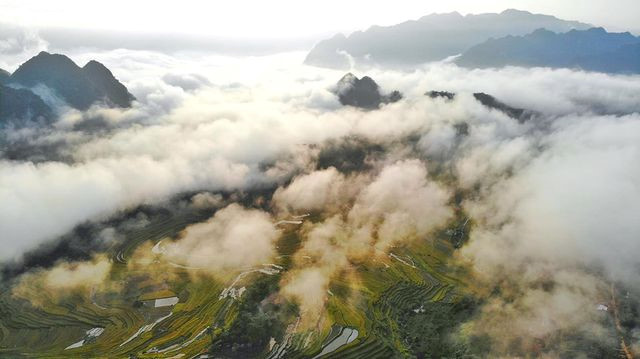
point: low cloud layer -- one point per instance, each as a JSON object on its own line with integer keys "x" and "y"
{"x": 367, "y": 215}
{"x": 234, "y": 238}
{"x": 62, "y": 280}
{"x": 573, "y": 203}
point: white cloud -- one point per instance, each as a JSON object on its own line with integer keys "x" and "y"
{"x": 233, "y": 238}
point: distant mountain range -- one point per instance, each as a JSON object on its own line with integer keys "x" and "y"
{"x": 431, "y": 38}
{"x": 79, "y": 87}
{"x": 594, "y": 49}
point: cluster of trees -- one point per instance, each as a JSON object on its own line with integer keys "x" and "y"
{"x": 259, "y": 319}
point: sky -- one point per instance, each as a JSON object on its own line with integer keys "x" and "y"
{"x": 288, "y": 18}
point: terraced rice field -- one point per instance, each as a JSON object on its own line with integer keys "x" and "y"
{"x": 193, "y": 325}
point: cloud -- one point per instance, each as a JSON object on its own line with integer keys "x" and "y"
{"x": 73, "y": 275}
{"x": 535, "y": 320}
{"x": 574, "y": 202}
{"x": 207, "y": 200}
{"x": 188, "y": 82}
{"x": 42, "y": 201}
{"x": 309, "y": 288}
{"x": 223, "y": 138}
{"x": 220, "y": 138}
{"x": 402, "y": 202}
{"x": 42, "y": 286}
{"x": 16, "y": 43}
{"x": 313, "y": 192}
{"x": 562, "y": 215}
{"x": 365, "y": 215}
{"x": 234, "y": 238}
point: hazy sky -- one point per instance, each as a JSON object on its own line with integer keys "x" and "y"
{"x": 289, "y": 18}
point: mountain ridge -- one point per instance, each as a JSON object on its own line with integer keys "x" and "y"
{"x": 594, "y": 49}
{"x": 520, "y": 114}
{"x": 432, "y": 37}
{"x": 80, "y": 87}
{"x": 4, "y": 76}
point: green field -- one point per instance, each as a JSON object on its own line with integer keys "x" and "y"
{"x": 410, "y": 284}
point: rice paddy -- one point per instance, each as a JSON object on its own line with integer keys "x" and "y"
{"x": 152, "y": 315}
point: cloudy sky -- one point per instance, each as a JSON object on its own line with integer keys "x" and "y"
{"x": 288, "y": 18}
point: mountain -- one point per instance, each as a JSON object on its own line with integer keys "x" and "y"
{"x": 18, "y": 106}
{"x": 444, "y": 94}
{"x": 79, "y": 87}
{"x": 363, "y": 93}
{"x": 491, "y": 102}
{"x": 430, "y": 38}
{"x": 625, "y": 59}
{"x": 513, "y": 112}
{"x": 103, "y": 79}
{"x": 4, "y": 76}
{"x": 594, "y": 49}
